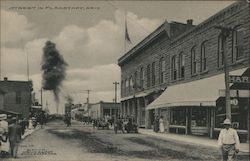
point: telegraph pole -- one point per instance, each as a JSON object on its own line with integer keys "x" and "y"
{"x": 225, "y": 32}
{"x": 115, "y": 83}
{"x": 42, "y": 99}
{"x": 88, "y": 91}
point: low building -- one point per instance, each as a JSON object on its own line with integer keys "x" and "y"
{"x": 102, "y": 109}
{"x": 181, "y": 77}
{"x": 15, "y": 97}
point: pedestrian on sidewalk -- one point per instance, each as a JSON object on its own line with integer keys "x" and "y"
{"x": 4, "y": 143}
{"x": 161, "y": 122}
{"x": 14, "y": 135}
{"x": 156, "y": 124}
{"x": 228, "y": 142}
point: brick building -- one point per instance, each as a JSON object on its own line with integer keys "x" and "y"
{"x": 102, "y": 109}
{"x": 177, "y": 72}
{"x": 15, "y": 97}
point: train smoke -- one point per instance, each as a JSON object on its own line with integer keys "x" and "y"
{"x": 53, "y": 67}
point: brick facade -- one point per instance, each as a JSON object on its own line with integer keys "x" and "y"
{"x": 171, "y": 39}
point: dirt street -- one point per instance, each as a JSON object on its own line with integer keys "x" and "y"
{"x": 82, "y": 142}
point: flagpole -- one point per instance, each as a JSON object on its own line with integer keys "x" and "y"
{"x": 125, "y": 25}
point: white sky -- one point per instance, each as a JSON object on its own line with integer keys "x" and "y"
{"x": 91, "y": 41}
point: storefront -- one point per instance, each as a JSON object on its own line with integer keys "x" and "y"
{"x": 193, "y": 107}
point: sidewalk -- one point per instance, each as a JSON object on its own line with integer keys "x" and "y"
{"x": 188, "y": 139}
{"x": 29, "y": 132}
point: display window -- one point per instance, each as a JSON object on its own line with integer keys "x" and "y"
{"x": 178, "y": 116}
{"x": 199, "y": 116}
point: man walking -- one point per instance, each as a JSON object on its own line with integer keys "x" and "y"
{"x": 228, "y": 141}
{"x": 15, "y": 133}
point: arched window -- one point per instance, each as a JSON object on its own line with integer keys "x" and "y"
{"x": 148, "y": 75}
{"x": 220, "y": 58}
{"x": 153, "y": 73}
{"x": 204, "y": 56}
{"x": 174, "y": 68}
{"x": 135, "y": 81}
{"x": 193, "y": 61}
{"x": 181, "y": 65}
{"x": 161, "y": 70}
{"x": 131, "y": 83}
{"x": 142, "y": 76}
{"x": 237, "y": 44}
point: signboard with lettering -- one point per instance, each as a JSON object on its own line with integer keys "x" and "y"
{"x": 239, "y": 79}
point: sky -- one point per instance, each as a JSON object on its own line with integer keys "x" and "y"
{"x": 90, "y": 38}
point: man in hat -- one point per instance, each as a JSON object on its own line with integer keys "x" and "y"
{"x": 15, "y": 133}
{"x": 228, "y": 141}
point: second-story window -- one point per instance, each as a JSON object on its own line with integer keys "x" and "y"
{"x": 126, "y": 84}
{"x": 142, "y": 76}
{"x": 148, "y": 75}
{"x": 131, "y": 83}
{"x": 162, "y": 70}
{"x": 174, "y": 68}
{"x": 193, "y": 61}
{"x": 153, "y": 73}
{"x": 122, "y": 86}
{"x": 135, "y": 81}
{"x": 238, "y": 41}
{"x": 220, "y": 58}
{"x": 204, "y": 56}
{"x": 181, "y": 65}
{"x": 18, "y": 97}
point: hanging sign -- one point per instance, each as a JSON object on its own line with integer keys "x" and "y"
{"x": 239, "y": 79}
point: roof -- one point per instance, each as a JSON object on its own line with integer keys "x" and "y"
{"x": 12, "y": 86}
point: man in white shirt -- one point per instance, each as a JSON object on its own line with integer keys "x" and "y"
{"x": 228, "y": 141}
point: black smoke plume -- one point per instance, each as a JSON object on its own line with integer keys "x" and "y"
{"x": 53, "y": 67}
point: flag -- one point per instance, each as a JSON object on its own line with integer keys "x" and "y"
{"x": 127, "y": 38}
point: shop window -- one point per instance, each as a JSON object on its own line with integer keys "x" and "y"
{"x": 181, "y": 65}
{"x": 178, "y": 116}
{"x": 238, "y": 41}
{"x": 153, "y": 73}
{"x": 162, "y": 70}
{"x": 148, "y": 76}
{"x": 193, "y": 61}
{"x": 174, "y": 68}
{"x": 18, "y": 97}
{"x": 199, "y": 116}
{"x": 239, "y": 113}
{"x": 204, "y": 56}
{"x": 142, "y": 75}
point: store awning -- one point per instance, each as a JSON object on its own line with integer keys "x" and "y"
{"x": 203, "y": 92}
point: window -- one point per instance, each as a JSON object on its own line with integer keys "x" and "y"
{"x": 220, "y": 52}
{"x": 178, "y": 116}
{"x": 135, "y": 81}
{"x": 18, "y": 97}
{"x": 174, "y": 68}
{"x": 153, "y": 73}
{"x": 126, "y": 84}
{"x": 131, "y": 83}
{"x": 142, "y": 75}
{"x": 162, "y": 70}
{"x": 122, "y": 86}
{"x": 193, "y": 61}
{"x": 203, "y": 56}
{"x": 181, "y": 65}
{"x": 199, "y": 117}
{"x": 148, "y": 76}
{"x": 238, "y": 41}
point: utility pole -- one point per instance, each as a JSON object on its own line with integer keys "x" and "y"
{"x": 42, "y": 99}
{"x": 88, "y": 108}
{"x": 115, "y": 83}
{"x": 225, "y": 32}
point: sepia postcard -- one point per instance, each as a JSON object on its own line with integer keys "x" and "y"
{"x": 123, "y": 80}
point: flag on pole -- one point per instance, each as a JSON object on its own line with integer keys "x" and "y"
{"x": 127, "y": 38}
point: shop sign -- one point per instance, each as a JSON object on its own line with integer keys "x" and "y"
{"x": 239, "y": 79}
{"x": 234, "y": 102}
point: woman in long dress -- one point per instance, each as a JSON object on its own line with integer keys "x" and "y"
{"x": 161, "y": 125}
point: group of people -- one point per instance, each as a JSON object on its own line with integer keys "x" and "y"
{"x": 13, "y": 128}
{"x": 159, "y": 124}
{"x": 10, "y": 135}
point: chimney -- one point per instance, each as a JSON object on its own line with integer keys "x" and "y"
{"x": 190, "y": 22}
{"x": 5, "y": 78}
